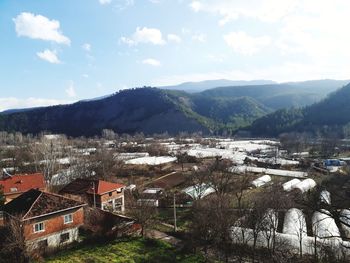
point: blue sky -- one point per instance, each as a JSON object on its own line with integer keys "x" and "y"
{"x": 62, "y": 51}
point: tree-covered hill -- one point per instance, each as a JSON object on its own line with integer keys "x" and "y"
{"x": 213, "y": 111}
{"x": 330, "y": 114}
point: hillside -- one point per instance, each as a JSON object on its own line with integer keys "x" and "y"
{"x": 139, "y": 110}
{"x": 147, "y": 110}
{"x": 279, "y": 96}
{"x": 330, "y": 114}
{"x": 152, "y": 110}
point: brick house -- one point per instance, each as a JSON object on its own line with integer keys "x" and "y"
{"x": 105, "y": 195}
{"x": 47, "y": 220}
{"x": 15, "y": 185}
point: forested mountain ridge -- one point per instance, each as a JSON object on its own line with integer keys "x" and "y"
{"x": 153, "y": 110}
{"x": 145, "y": 110}
{"x": 329, "y": 115}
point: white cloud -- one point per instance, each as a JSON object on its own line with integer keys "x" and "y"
{"x": 39, "y": 27}
{"x": 152, "y": 62}
{"x": 311, "y": 30}
{"x": 86, "y": 47}
{"x": 18, "y": 103}
{"x": 85, "y": 75}
{"x": 145, "y": 35}
{"x": 49, "y": 56}
{"x": 228, "y": 10}
{"x": 196, "y": 6}
{"x": 174, "y": 38}
{"x": 200, "y": 37}
{"x": 70, "y": 91}
{"x": 245, "y": 44}
{"x": 105, "y": 2}
{"x": 216, "y": 58}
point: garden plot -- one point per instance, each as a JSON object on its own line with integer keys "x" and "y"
{"x": 152, "y": 160}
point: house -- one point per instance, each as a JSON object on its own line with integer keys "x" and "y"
{"x": 97, "y": 193}
{"x": 150, "y": 197}
{"x": 46, "y": 219}
{"x": 15, "y": 185}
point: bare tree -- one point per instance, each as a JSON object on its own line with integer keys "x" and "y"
{"x": 142, "y": 210}
{"x": 202, "y": 229}
{"x": 14, "y": 248}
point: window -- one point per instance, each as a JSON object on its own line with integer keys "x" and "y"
{"x": 39, "y": 227}
{"x": 118, "y": 203}
{"x": 67, "y": 219}
{"x": 64, "y": 237}
{"x": 42, "y": 243}
{"x": 110, "y": 193}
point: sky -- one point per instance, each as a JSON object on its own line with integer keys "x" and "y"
{"x": 55, "y": 52}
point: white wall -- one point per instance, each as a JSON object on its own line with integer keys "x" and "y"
{"x": 53, "y": 240}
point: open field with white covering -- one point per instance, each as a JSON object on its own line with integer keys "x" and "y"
{"x": 151, "y": 160}
{"x": 259, "y": 170}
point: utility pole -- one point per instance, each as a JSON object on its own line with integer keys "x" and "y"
{"x": 174, "y": 204}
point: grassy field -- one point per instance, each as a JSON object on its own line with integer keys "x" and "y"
{"x": 182, "y": 214}
{"x": 128, "y": 250}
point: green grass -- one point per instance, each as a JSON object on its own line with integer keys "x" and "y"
{"x": 167, "y": 215}
{"x": 128, "y": 250}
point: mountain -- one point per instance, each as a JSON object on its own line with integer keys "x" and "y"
{"x": 284, "y": 95}
{"x": 314, "y": 89}
{"x": 329, "y": 115}
{"x": 200, "y": 86}
{"x": 152, "y": 110}
{"x": 145, "y": 110}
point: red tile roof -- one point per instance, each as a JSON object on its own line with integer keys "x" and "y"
{"x": 20, "y": 183}
{"x": 82, "y": 186}
{"x": 105, "y": 187}
{"x": 35, "y": 203}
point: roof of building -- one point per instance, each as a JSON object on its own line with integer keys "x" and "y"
{"x": 35, "y": 203}
{"x": 20, "y": 183}
{"x": 82, "y": 186}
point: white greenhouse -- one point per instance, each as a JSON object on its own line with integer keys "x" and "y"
{"x": 345, "y": 221}
{"x": 323, "y": 225}
{"x": 288, "y": 186}
{"x": 261, "y": 181}
{"x": 305, "y": 185}
{"x": 294, "y": 223}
